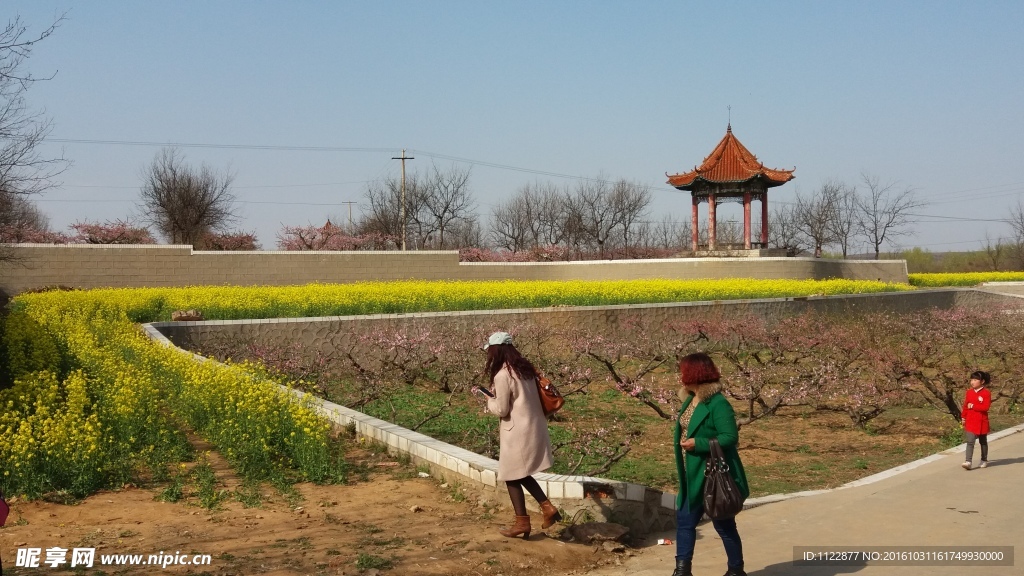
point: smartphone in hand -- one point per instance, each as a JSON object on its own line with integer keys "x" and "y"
{"x": 485, "y": 391}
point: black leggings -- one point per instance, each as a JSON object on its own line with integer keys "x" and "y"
{"x": 515, "y": 492}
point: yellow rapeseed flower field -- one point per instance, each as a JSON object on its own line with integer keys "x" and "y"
{"x": 235, "y": 302}
{"x": 940, "y": 280}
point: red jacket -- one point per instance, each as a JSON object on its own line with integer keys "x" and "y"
{"x": 976, "y": 417}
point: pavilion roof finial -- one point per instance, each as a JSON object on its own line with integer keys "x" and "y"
{"x": 728, "y": 128}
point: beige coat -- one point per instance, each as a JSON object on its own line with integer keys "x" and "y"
{"x": 524, "y": 444}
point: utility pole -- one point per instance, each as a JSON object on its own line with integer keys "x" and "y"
{"x": 349, "y": 215}
{"x": 403, "y": 158}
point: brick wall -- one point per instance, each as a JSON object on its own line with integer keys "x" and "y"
{"x": 97, "y": 266}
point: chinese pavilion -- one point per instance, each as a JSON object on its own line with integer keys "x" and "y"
{"x": 730, "y": 172}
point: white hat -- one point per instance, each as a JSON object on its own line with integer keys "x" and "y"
{"x": 498, "y": 338}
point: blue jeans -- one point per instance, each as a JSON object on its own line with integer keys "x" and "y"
{"x": 686, "y": 535}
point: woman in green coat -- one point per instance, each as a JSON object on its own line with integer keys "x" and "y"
{"x": 705, "y": 414}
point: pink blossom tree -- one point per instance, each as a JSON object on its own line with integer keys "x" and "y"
{"x": 330, "y": 237}
{"x": 632, "y": 357}
{"x": 934, "y": 351}
{"x": 14, "y": 234}
{"x": 235, "y": 240}
{"x": 111, "y": 232}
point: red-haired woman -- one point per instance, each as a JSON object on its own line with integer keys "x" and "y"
{"x": 524, "y": 445}
{"x": 705, "y": 414}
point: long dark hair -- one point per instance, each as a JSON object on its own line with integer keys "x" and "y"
{"x": 498, "y": 355}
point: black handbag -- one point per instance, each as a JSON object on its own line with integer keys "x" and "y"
{"x": 722, "y": 498}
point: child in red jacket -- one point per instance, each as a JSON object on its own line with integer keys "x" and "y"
{"x": 975, "y": 417}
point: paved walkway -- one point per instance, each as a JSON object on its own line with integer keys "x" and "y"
{"x": 933, "y": 503}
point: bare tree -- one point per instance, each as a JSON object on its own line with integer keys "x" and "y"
{"x": 995, "y": 251}
{"x": 448, "y": 200}
{"x": 466, "y": 233}
{"x": 511, "y": 223}
{"x": 630, "y": 201}
{"x": 20, "y": 212}
{"x": 549, "y": 203}
{"x": 20, "y": 219}
{"x": 182, "y": 202}
{"x": 439, "y": 209}
{"x": 592, "y": 215}
{"x": 885, "y": 212}
{"x": 670, "y": 234}
{"x": 844, "y": 221}
{"x": 815, "y": 216}
{"x": 23, "y": 169}
{"x": 785, "y": 232}
{"x": 1016, "y": 222}
{"x": 537, "y": 215}
{"x": 383, "y": 212}
{"x": 728, "y": 233}
{"x": 420, "y": 224}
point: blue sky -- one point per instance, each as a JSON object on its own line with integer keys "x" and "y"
{"x": 928, "y": 94}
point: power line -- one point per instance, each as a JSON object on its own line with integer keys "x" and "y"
{"x": 220, "y": 146}
{"x": 233, "y": 186}
{"x": 939, "y": 194}
{"x": 69, "y": 201}
{"x": 324, "y": 149}
{"x": 517, "y": 168}
{"x": 1000, "y": 194}
{"x": 957, "y": 218}
{"x": 439, "y": 156}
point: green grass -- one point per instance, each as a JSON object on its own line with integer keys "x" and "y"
{"x": 174, "y": 491}
{"x": 249, "y": 494}
{"x": 369, "y": 561}
{"x": 206, "y": 486}
{"x": 645, "y": 470}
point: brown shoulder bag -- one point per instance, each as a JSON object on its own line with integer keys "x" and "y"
{"x": 550, "y": 400}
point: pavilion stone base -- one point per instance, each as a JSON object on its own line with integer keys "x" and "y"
{"x": 740, "y": 253}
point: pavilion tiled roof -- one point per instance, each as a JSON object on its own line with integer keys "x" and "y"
{"x": 730, "y": 162}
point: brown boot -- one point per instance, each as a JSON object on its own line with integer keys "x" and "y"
{"x": 551, "y": 514}
{"x": 521, "y": 526}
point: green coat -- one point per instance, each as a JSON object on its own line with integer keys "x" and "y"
{"x": 713, "y": 418}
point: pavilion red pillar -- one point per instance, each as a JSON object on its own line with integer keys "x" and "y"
{"x": 694, "y": 224}
{"x": 746, "y": 220}
{"x": 764, "y": 219}
{"x": 712, "y": 223}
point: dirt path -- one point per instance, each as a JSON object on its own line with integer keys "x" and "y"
{"x": 392, "y": 522}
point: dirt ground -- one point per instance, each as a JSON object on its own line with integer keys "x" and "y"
{"x": 390, "y": 520}
{"x": 395, "y": 520}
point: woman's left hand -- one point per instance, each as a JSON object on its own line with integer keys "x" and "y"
{"x": 689, "y": 444}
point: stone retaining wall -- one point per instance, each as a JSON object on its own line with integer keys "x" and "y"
{"x": 102, "y": 266}
{"x": 332, "y": 333}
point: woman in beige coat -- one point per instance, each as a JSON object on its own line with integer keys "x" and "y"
{"x": 524, "y": 444}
